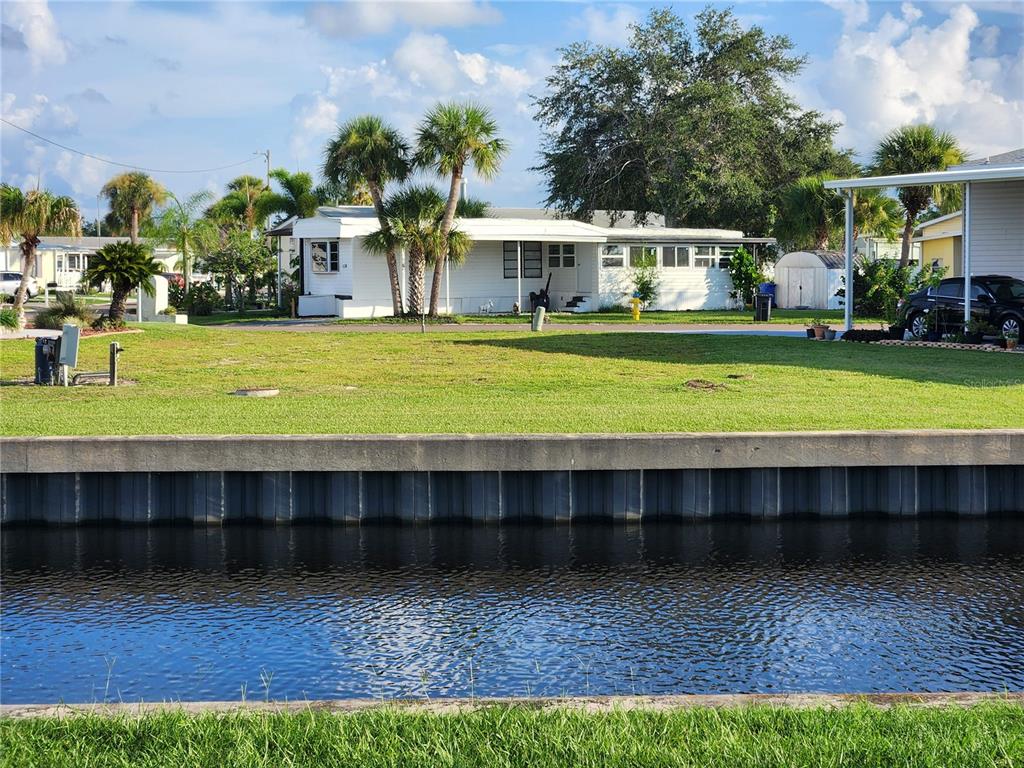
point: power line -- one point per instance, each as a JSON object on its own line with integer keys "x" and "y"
{"x": 122, "y": 165}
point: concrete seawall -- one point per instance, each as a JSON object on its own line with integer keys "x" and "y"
{"x": 504, "y": 478}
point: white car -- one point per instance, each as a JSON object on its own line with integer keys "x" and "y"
{"x": 10, "y": 281}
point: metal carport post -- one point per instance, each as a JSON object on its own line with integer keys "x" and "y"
{"x": 848, "y": 240}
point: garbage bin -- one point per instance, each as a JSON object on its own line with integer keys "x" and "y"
{"x": 762, "y": 308}
{"x": 46, "y": 358}
{"x": 768, "y": 288}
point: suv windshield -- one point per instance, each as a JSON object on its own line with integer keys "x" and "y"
{"x": 1007, "y": 289}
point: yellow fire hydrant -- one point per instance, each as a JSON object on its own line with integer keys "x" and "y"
{"x": 636, "y": 309}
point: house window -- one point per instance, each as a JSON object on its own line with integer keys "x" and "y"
{"x": 324, "y": 256}
{"x": 724, "y": 262}
{"x": 641, "y": 255}
{"x": 675, "y": 256}
{"x": 561, "y": 255}
{"x": 704, "y": 256}
{"x": 613, "y": 256}
{"x": 532, "y": 260}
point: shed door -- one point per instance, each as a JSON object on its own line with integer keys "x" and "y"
{"x": 800, "y": 286}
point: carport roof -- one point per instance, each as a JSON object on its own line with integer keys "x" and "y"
{"x": 981, "y": 173}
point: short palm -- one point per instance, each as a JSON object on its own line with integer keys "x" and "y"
{"x": 124, "y": 266}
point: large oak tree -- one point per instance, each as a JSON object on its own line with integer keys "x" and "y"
{"x": 694, "y": 125}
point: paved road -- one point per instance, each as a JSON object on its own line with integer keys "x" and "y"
{"x": 321, "y": 326}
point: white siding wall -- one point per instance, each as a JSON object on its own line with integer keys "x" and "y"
{"x": 477, "y": 283}
{"x": 997, "y": 228}
{"x": 680, "y": 287}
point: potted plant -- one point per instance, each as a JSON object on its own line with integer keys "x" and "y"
{"x": 976, "y": 331}
{"x": 934, "y": 332}
{"x": 819, "y": 327}
{"x": 830, "y": 334}
{"x": 1011, "y": 338}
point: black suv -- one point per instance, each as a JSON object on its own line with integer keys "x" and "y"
{"x": 995, "y": 299}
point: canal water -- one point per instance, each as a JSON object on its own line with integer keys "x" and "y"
{"x": 92, "y": 614}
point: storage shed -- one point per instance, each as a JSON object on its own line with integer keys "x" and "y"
{"x": 809, "y": 280}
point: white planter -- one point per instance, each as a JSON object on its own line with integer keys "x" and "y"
{"x": 176, "y": 319}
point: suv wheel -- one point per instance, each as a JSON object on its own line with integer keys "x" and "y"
{"x": 1010, "y": 325}
{"x": 918, "y": 325}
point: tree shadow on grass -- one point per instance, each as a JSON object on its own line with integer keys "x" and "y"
{"x": 955, "y": 367}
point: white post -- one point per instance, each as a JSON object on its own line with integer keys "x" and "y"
{"x": 447, "y": 289}
{"x": 519, "y": 274}
{"x": 966, "y": 247}
{"x": 279, "y": 271}
{"x": 849, "y": 260}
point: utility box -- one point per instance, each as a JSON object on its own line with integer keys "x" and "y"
{"x": 68, "y": 347}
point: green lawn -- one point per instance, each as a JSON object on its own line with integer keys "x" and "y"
{"x": 516, "y": 736}
{"x": 180, "y": 378}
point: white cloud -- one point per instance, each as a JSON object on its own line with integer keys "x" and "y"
{"x": 855, "y": 12}
{"x": 427, "y": 60}
{"x": 35, "y": 22}
{"x": 376, "y": 77}
{"x": 316, "y": 120}
{"x": 85, "y": 175}
{"x": 608, "y": 24}
{"x": 361, "y": 19}
{"x": 902, "y": 71}
{"x": 474, "y": 66}
{"x": 40, "y": 114}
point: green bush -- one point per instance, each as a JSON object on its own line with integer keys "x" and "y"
{"x": 66, "y": 310}
{"x": 646, "y": 279}
{"x": 745, "y": 274}
{"x": 879, "y": 285}
{"x": 8, "y": 318}
{"x": 202, "y": 299}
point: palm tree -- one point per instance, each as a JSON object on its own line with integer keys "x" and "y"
{"x": 451, "y": 136}
{"x": 331, "y": 193}
{"x": 248, "y": 198}
{"x": 810, "y": 216}
{"x": 808, "y": 213}
{"x": 132, "y": 197}
{"x": 28, "y": 215}
{"x": 366, "y": 150}
{"x": 297, "y": 196}
{"x": 917, "y": 149}
{"x": 124, "y": 266}
{"x": 181, "y": 227}
{"x": 472, "y": 208}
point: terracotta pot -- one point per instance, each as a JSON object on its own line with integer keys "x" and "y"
{"x": 819, "y": 331}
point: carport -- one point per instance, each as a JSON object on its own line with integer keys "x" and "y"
{"x": 993, "y": 216}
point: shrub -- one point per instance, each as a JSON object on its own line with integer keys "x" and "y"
{"x": 865, "y": 335}
{"x": 879, "y": 285}
{"x": 66, "y": 309}
{"x": 105, "y": 323}
{"x": 646, "y": 279}
{"x": 170, "y": 310}
{"x": 745, "y": 274}
{"x": 202, "y": 299}
{"x": 8, "y": 318}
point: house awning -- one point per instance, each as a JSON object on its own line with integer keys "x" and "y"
{"x": 956, "y": 176}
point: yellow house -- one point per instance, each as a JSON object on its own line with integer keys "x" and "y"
{"x": 941, "y": 242}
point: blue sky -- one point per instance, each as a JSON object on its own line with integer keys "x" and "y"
{"x": 200, "y": 85}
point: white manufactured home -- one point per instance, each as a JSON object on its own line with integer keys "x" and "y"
{"x": 588, "y": 266}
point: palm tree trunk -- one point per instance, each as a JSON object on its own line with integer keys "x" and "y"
{"x": 377, "y": 196}
{"x": 28, "y": 260}
{"x": 416, "y": 269}
{"x": 117, "y": 302}
{"x": 134, "y": 231}
{"x": 441, "y": 263}
{"x": 908, "y": 232}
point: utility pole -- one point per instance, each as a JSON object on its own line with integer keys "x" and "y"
{"x": 98, "y": 233}
{"x": 266, "y": 155}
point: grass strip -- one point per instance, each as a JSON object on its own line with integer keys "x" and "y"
{"x": 510, "y": 736}
{"x": 179, "y": 380}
